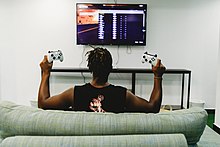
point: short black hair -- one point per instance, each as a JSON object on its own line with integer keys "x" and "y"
{"x": 100, "y": 62}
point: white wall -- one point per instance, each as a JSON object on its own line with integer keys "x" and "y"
{"x": 217, "y": 110}
{"x": 183, "y": 33}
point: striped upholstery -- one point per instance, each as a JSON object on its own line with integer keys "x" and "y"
{"x": 24, "y": 120}
{"x": 168, "y": 140}
{"x": 1, "y": 137}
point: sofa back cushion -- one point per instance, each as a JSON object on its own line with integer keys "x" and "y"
{"x": 24, "y": 120}
{"x": 1, "y": 137}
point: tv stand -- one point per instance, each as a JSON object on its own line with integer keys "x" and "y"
{"x": 134, "y": 71}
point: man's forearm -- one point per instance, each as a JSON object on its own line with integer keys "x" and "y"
{"x": 44, "y": 91}
{"x": 156, "y": 95}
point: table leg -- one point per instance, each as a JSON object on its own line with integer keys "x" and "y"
{"x": 182, "y": 92}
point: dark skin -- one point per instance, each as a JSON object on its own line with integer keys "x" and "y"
{"x": 133, "y": 103}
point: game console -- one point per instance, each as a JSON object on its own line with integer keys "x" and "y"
{"x": 55, "y": 55}
{"x": 149, "y": 58}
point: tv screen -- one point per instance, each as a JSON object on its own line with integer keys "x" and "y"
{"x": 111, "y": 24}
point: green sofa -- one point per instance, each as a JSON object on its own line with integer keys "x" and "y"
{"x": 26, "y": 126}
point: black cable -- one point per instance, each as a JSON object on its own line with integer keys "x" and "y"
{"x": 82, "y": 55}
{"x": 129, "y": 50}
{"x": 116, "y": 63}
{"x": 92, "y": 46}
{"x": 84, "y": 78}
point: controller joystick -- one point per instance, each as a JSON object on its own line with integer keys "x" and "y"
{"x": 150, "y": 58}
{"x": 55, "y": 55}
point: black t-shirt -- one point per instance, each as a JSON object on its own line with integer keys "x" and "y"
{"x": 113, "y": 97}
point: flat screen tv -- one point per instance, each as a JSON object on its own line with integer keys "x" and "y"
{"x": 111, "y": 24}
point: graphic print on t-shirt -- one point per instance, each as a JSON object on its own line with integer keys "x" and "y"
{"x": 96, "y": 104}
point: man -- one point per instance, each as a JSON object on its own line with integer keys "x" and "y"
{"x": 99, "y": 95}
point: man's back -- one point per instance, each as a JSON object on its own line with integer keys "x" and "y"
{"x": 110, "y": 98}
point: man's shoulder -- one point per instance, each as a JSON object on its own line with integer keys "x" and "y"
{"x": 118, "y": 87}
{"x": 86, "y": 85}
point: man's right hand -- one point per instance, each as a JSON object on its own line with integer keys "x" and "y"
{"x": 158, "y": 69}
{"x": 45, "y": 65}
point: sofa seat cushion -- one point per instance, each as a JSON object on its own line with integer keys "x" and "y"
{"x": 161, "y": 140}
{"x": 24, "y": 120}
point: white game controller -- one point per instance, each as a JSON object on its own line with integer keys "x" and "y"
{"x": 55, "y": 55}
{"x": 150, "y": 58}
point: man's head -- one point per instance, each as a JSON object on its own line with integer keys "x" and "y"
{"x": 100, "y": 63}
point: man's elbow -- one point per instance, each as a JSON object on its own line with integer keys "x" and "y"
{"x": 41, "y": 105}
{"x": 154, "y": 108}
